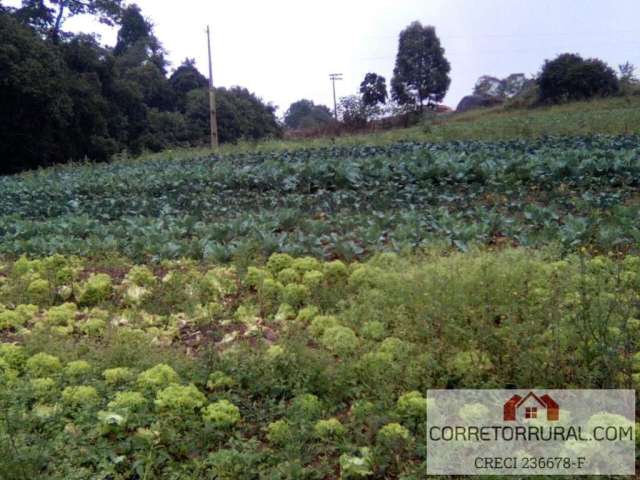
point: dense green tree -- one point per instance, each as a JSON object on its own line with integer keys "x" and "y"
{"x": 185, "y": 79}
{"x": 353, "y": 111}
{"x": 88, "y": 129}
{"x": 421, "y": 72}
{"x": 134, "y": 28}
{"x": 74, "y": 98}
{"x": 570, "y": 77}
{"x": 49, "y": 15}
{"x": 306, "y": 114}
{"x": 34, "y": 97}
{"x": 373, "y": 90}
{"x": 241, "y": 115}
{"x": 508, "y": 87}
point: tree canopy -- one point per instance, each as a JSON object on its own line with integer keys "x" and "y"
{"x": 374, "y": 90}
{"x": 570, "y": 77}
{"x": 421, "y": 72}
{"x": 306, "y": 114}
{"x": 70, "y": 98}
{"x": 48, "y": 16}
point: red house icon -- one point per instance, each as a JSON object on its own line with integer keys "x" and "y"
{"x": 530, "y": 405}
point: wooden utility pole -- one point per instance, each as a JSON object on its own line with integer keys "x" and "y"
{"x": 334, "y": 77}
{"x": 213, "y": 121}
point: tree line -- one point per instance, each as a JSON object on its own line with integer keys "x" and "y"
{"x": 420, "y": 80}
{"x": 64, "y": 96}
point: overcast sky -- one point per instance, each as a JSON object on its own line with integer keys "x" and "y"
{"x": 284, "y": 50}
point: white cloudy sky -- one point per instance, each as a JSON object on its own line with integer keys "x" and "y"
{"x": 284, "y": 50}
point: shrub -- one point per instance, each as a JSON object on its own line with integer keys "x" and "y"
{"x": 285, "y": 312}
{"x": 336, "y": 271}
{"x": 80, "y": 396}
{"x": 374, "y": 330}
{"x": 279, "y": 432}
{"x": 134, "y": 295}
{"x": 118, "y": 375}
{"x": 278, "y": 262}
{"x": 217, "y": 283}
{"x": 340, "y": 340}
{"x": 255, "y": 276}
{"x": 221, "y": 414}
{"x": 158, "y": 377}
{"x": 13, "y": 354}
{"x": 330, "y": 429}
{"x": 62, "y": 315}
{"x": 219, "y": 380}
{"x": 231, "y": 464}
{"x": 93, "y": 327}
{"x": 393, "y": 436}
{"x": 306, "y": 406}
{"x": 10, "y": 319}
{"x": 77, "y": 369}
{"x": 96, "y": 289}
{"x": 295, "y": 294}
{"x": 128, "y": 402}
{"x": 141, "y": 276}
{"x": 322, "y": 323}
{"x": 412, "y": 405}
{"x": 39, "y": 291}
{"x": 288, "y": 275}
{"x": 306, "y": 264}
{"x": 42, "y": 364}
{"x": 307, "y": 314}
{"x": 275, "y": 352}
{"x": 313, "y": 279}
{"x": 271, "y": 291}
{"x": 43, "y": 387}
{"x": 360, "y": 466}
{"x": 180, "y": 399}
{"x": 570, "y": 77}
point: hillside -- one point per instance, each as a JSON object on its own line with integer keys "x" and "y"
{"x": 280, "y": 310}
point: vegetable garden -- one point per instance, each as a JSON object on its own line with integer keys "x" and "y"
{"x": 281, "y": 315}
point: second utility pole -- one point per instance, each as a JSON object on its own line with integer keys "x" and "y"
{"x": 213, "y": 121}
{"x": 334, "y": 77}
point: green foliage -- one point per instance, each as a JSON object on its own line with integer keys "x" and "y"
{"x": 95, "y": 290}
{"x": 393, "y": 436}
{"x": 158, "y": 377}
{"x": 306, "y": 114}
{"x": 373, "y": 90}
{"x": 130, "y": 402}
{"x": 356, "y": 466}
{"x": 77, "y": 369}
{"x": 570, "y": 77}
{"x": 305, "y": 410}
{"x": 83, "y": 396}
{"x": 221, "y": 414}
{"x": 421, "y": 72}
{"x": 118, "y": 375}
{"x": 179, "y": 399}
{"x": 43, "y": 364}
{"x": 279, "y": 432}
{"x": 340, "y": 340}
{"x": 392, "y": 198}
{"x": 329, "y": 430}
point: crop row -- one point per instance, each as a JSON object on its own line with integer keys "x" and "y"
{"x": 340, "y": 202}
{"x": 304, "y": 368}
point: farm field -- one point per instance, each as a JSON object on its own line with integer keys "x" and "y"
{"x": 280, "y": 314}
{"x": 341, "y": 202}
